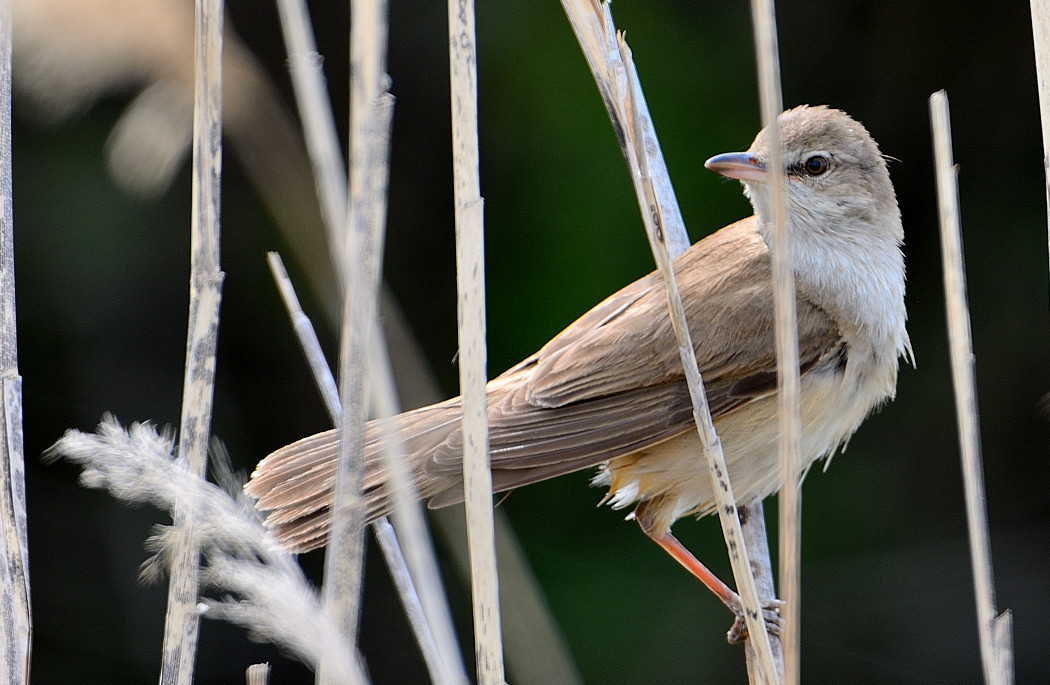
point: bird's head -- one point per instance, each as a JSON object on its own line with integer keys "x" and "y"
{"x": 835, "y": 178}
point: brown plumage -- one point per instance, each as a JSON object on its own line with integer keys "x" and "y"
{"x": 609, "y": 390}
{"x": 609, "y": 385}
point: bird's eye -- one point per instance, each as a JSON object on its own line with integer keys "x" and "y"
{"x": 816, "y": 165}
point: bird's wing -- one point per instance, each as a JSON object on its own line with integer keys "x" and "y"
{"x": 612, "y": 382}
{"x": 627, "y": 342}
{"x": 608, "y": 385}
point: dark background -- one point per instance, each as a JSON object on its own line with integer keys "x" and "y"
{"x": 887, "y": 593}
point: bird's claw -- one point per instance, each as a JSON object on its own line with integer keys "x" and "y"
{"x": 771, "y": 613}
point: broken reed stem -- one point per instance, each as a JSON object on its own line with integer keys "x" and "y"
{"x": 371, "y": 118}
{"x": 789, "y": 389}
{"x": 182, "y": 622}
{"x": 320, "y": 136}
{"x": 992, "y": 631}
{"x": 593, "y": 26}
{"x": 257, "y": 674}
{"x": 15, "y": 609}
{"x": 307, "y": 337}
{"x": 361, "y": 259}
{"x": 470, "y": 279}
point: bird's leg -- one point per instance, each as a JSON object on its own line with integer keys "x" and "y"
{"x": 678, "y": 552}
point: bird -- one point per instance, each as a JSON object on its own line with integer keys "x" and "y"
{"x": 609, "y": 391}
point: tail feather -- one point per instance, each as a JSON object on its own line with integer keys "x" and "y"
{"x": 528, "y": 444}
{"x": 294, "y": 484}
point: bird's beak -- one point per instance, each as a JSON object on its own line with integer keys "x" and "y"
{"x": 739, "y": 165}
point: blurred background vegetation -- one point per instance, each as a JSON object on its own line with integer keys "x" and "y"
{"x": 887, "y": 595}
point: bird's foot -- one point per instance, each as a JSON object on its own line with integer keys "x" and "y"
{"x": 770, "y": 613}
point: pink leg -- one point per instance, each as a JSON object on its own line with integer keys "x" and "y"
{"x": 679, "y": 553}
{"x": 738, "y": 631}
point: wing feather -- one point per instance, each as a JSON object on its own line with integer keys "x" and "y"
{"x": 612, "y": 382}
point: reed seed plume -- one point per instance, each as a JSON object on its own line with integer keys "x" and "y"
{"x": 260, "y": 587}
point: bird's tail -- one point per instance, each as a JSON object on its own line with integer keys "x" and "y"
{"x": 294, "y": 484}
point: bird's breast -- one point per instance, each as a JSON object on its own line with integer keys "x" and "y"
{"x": 671, "y": 479}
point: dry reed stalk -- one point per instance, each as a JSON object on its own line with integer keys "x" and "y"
{"x": 182, "y": 622}
{"x": 322, "y": 140}
{"x": 756, "y": 541}
{"x": 470, "y": 279}
{"x": 1041, "y": 39}
{"x": 609, "y": 59}
{"x": 789, "y": 389}
{"x": 994, "y": 630}
{"x": 307, "y": 337}
{"x": 371, "y": 116}
{"x": 331, "y": 183}
{"x": 257, "y": 674}
{"x": 315, "y": 112}
{"x": 427, "y": 611}
{"x": 641, "y": 152}
{"x": 15, "y": 610}
{"x": 443, "y": 659}
{"x": 360, "y": 257}
{"x": 261, "y": 586}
